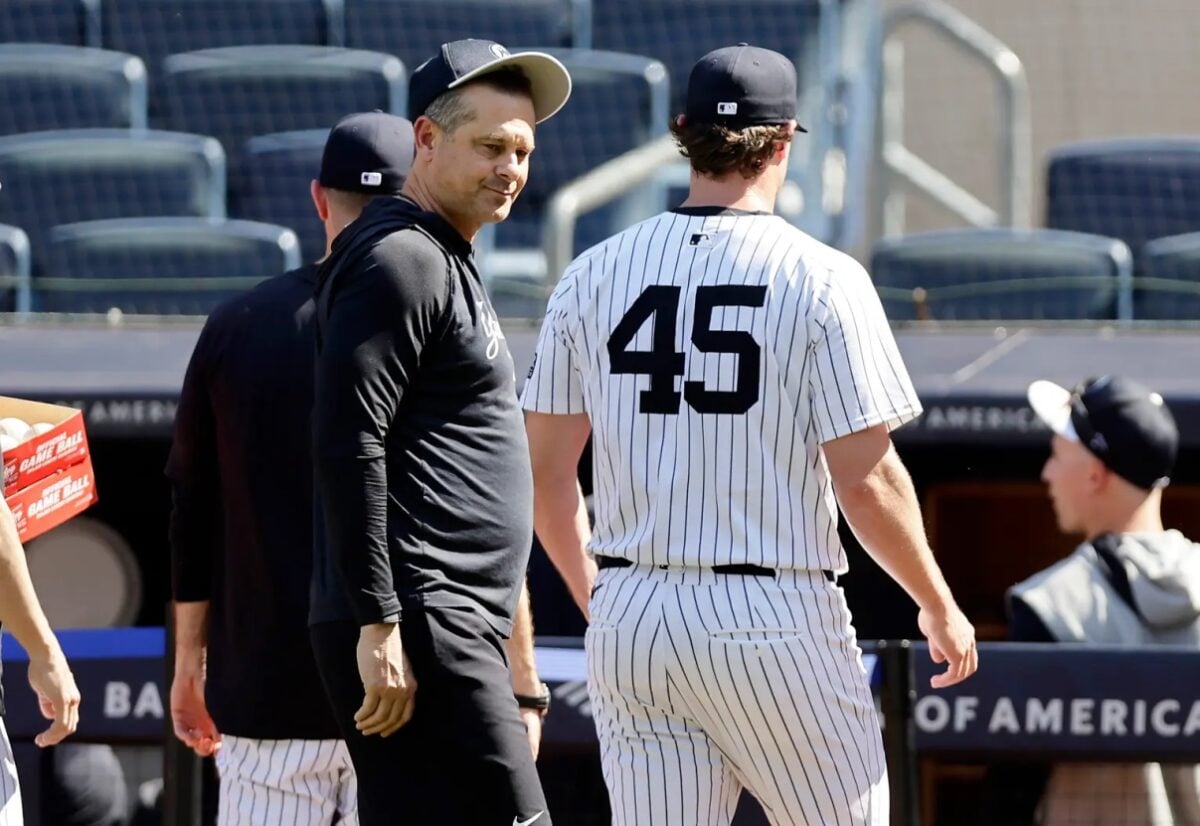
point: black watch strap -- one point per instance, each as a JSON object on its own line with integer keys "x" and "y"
{"x": 537, "y": 702}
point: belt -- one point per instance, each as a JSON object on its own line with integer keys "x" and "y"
{"x": 740, "y": 569}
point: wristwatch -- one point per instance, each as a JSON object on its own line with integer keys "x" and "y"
{"x": 538, "y": 702}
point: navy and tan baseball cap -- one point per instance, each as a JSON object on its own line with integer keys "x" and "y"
{"x": 369, "y": 152}
{"x": 742, "y": 85}
{"x": 462, "y": 61}
{"x": 1123, "y": 424}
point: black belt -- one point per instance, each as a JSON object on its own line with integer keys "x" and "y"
{"x": 740, "y": 569}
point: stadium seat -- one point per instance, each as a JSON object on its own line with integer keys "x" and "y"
{"x": 72, "y": 22}
{"x": 272, "y": 185}
{"x": 1135, "y": 190}
{"x": 679, "y": 32}
{"x": 236, "y": 93}
{"x": 14, "y": 270}
{"x": 45, "y": 87}
{"x": 414, "y": 29}
{"x": 76, "y": 175}
{"x": 1168, "y": 281}
{"x": 996, "y": 274}
{"x": 154, "y": 29}
{"x": 208, "y": 261}
{"x": 618, "y": 102}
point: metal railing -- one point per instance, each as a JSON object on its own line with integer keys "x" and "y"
{"x": 896, "y": 164}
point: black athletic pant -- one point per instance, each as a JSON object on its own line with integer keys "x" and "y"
{"x": 463, "y": 758}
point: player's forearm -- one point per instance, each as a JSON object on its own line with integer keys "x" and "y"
{"x": 521, "y": 660}
{"x": 883, "y": 512}
{"x": 191, "y": 637}
{"x": 561, "y": 521}
{"x": 20, "y": 611}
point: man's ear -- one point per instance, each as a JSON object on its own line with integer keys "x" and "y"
{"x": 425, "y": 134}
{"x": 320, "y": 200}
{"x": 1099, "y": 476}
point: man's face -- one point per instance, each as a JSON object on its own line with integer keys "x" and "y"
{"x": 1072, "y": 475}
{"x": 478, "y": 170}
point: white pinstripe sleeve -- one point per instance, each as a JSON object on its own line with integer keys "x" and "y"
{"x": 858, "y": 379}
{"x": 554, "y": 384}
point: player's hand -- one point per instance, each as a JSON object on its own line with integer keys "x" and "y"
{"x": 951, "y": 641}
{"x": 388, "y": 682}
{"x": 58, "y": 697}
{"x": 189, "y": 714}
{"x": 533, "y": 729}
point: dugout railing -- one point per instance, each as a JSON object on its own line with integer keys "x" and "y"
{"x": 1027, "y": 703}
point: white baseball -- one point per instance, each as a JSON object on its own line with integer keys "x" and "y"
{"x": 40, "y": 428}
{"x": 19, "y": 429}
{"x": 7, "y": 443}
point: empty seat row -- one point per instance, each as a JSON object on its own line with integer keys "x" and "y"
{"x": 409, "y": 29}
{"x": 676, "y": 32}
{"x": 1002, "y": 274}
{"x": 145, "y": 265}
{"x": 246, "y": 96}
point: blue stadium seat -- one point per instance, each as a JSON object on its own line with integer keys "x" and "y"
{"x": 236, "y": 93}
{"x": 1135, "y": 190}
{"x": 208, "y": 261}
{"x": 414, "y": 29}
{"x": 618, "y": 102}
{"x": 14, "y": 270}
{"x": 45, "y": 87}
{"x": 154, "y": 29}
{"x": 996, "y": 274}
{"x": 72, "y": 22}
{"x": 272, "y": 185}
{"x": 680, "y": 32}
{"x": 1168, "y": 282}
{"x": 67, "y": 176}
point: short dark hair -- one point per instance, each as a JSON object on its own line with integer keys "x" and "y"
{"x": 715, "y": 150}
{"x": 449, "y": 111}
{"x": 351, "y": 201}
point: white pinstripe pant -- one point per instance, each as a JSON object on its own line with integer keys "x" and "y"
{"x": 11, "y": 813}
{"x": 285, "y": 783}
{"x": 702, "y": 684}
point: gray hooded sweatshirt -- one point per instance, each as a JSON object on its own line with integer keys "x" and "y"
{"x": 1080, "y": 600}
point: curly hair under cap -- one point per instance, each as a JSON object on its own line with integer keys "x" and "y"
{"x": 716, "y": 150}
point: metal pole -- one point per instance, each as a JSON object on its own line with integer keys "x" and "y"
{"x": 898, "y": 696}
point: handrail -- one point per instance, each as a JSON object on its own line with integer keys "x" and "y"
{"x": 895, "y": 162}
{"x": 610, "y": 180}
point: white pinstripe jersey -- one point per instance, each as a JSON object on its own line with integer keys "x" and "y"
{"x": 714, "y": 351}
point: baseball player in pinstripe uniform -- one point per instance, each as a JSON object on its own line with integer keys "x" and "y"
{"x": 739, "y": 382}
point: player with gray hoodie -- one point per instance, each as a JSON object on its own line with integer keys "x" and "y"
{"x": 1130, "y": 583}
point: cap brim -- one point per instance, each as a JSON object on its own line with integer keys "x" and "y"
{"x": 1052, "y": 404}
{"x": 550, "y": 80}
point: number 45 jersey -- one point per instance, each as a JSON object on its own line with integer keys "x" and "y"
{"x": 714, "y": 351}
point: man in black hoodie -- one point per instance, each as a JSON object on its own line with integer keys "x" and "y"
{"x": 1131, "y": 582}
{"x": 422, "y": 465}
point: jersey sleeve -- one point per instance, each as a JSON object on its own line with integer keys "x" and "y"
{"x": 857, "y": 378}
{"x": 554, "y": 383}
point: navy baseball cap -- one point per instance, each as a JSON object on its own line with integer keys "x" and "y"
{"x": 740, "y": 86}
{"x": 368, "y": 152}
{"x": 461, "y": 61}
{"x": 1123, "y": 424}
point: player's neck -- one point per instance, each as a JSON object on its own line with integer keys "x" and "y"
{"x": 731, "y": 191}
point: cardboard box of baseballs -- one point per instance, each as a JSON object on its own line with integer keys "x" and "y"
{"x": 48, "y": 476}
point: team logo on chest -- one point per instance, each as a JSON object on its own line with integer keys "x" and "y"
{"x": 490, "y": 326}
